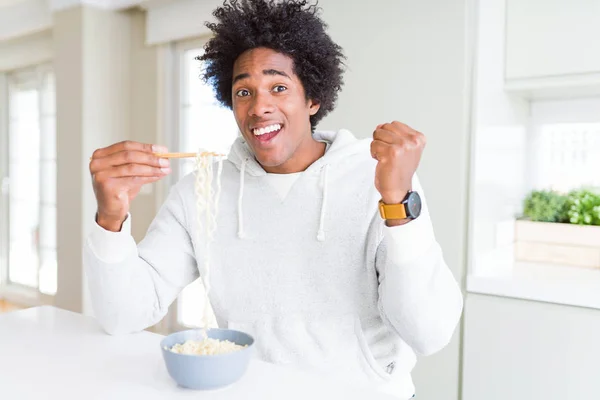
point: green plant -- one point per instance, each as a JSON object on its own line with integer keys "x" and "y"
{"x": 583, "y": 207}
{"x": 545, "y": 206}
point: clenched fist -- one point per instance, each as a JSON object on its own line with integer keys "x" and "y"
{"x": 397, "y": 148}
{"x": 118, "y": 173}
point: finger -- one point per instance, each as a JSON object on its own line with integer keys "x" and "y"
{"x": 387, "y": 136}
{"x": 134, "y": 157}
{"x": 128, "y": 145}
{"x": 142, "y": 180}
{"x": 381, "y": 150}
{"x": 407, "y": 138}
{"x": 127, "y": 157}
{"x": 403, "y": 127}
{"x": 400, "y": 128}
{"x": 131, "y": 170}
{"x": 418, "y": 137}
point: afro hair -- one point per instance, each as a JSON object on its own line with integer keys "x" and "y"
{"x": 290, "y": 27}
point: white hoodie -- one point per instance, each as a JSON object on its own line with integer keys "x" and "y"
{"x": 317, "y": 277}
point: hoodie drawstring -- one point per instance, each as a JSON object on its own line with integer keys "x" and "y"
{"x": 241, "y": 233}
{"x": 321, "y": 232}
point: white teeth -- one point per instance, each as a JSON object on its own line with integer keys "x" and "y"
{"x": 266, "y": 129}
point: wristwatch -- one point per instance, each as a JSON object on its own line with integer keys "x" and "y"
{"x": 410, "y": 207}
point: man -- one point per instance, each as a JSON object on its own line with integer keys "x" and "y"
{"x": 324, "y": 250}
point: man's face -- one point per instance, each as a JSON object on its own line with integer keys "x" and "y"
{"x": 271, "y": 109}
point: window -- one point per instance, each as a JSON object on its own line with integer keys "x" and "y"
{"x": 203, "y": 124}
{"x": 29, "y": 183}
{"x": 568, "y": 156}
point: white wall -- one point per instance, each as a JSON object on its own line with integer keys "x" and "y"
{"x": 144, "y": 103}
{"x": 93, "y": 102}
{"x": 583, "y": 110}
{"x": 68, "y": 69}
{"x": 521, "y": 350}
{"x": 26, "y": 51}
{"x": 407, "y": 61}
{"x": 179, "y": 20}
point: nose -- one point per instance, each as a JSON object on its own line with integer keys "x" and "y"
{"x": 262, "y": 104}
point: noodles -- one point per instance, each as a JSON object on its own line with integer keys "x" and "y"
{"x": 206, "y": 347}
{"x": 207, "y": 205}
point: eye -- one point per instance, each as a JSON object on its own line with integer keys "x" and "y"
{"x": 242, "y": 93}
{"x": 279, "y": 88}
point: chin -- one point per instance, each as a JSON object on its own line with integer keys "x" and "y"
{"x": 267, "y": 157}
{"x": 268, "y": 162}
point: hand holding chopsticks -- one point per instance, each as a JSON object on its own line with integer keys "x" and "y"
{"x": 120, "y": 170}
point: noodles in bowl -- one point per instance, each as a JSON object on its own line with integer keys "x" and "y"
{"x": 217, "y": 361}
{"x": 206, "y": 346}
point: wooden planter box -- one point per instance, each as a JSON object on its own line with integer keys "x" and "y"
{"x": 566, "y": 244}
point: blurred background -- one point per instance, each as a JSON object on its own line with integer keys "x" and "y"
{"x": 507, "y": 92}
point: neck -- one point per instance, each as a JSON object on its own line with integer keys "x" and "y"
{"x": 307, "y": 153}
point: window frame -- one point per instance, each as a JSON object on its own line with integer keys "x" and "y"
{"x": 179, "y": 93}
{"x": 14, "y": 292}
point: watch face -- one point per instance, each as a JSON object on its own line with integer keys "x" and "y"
{"x": 413, "y": 205}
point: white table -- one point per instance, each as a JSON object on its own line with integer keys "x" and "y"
{"x": 48, "y": 353}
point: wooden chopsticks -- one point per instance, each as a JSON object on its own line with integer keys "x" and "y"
{"x": 188, "y": 155}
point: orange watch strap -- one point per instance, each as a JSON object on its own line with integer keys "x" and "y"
{"x": 392, "y": 211}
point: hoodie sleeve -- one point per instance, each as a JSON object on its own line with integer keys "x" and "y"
{"x": 132, "y": 286}
{"x": 418, "y": 295}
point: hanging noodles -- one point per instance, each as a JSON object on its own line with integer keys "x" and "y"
{"x": 207, "y": 207}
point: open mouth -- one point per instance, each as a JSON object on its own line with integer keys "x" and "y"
{"x": 267, "y": 133}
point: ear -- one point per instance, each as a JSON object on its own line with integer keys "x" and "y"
{"x": 313, "y": 106}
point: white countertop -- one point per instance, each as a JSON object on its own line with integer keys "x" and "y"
{"x": 48, "y": 353}
{"x": 498, "y": 274}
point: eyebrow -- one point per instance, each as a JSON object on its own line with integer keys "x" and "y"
{"x": 265, "y": 72}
